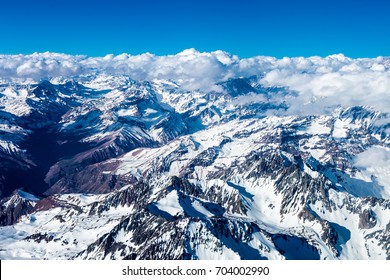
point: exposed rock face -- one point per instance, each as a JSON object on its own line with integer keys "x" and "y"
{"x": 367, "y": 219}
{"x": 16, "y": 206}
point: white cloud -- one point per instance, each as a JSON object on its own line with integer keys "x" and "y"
{"x": 374, "y": 157}
{"x": 329, "y": 83}
{"x": 39, "y": 66}
{"x": 320, "y": 83}
{"x": 374, "y": 164}
{"x": 249, "y": 98}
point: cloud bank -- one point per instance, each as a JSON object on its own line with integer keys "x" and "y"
{"x": 317, "y": 81}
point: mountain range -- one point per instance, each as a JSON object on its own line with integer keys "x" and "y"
{"x": 104, "y": 166}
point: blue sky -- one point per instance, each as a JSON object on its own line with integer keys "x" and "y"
{"x": 359, "y": 28}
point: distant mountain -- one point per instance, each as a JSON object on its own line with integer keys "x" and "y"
{"x": 107, "y": 167}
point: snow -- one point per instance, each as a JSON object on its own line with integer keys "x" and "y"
{"x": 342, "y": 126}
{"x": 356, "y": 246}
{"x": 319, "y": 127}
{"x": 27, "y": 196}
{"x": 11, "y": 128}
{"x": 170, "y": 204}
{"x": 10, "y": 92}
{"x": 312, "y": 173}
{"x": 132, "y": 111}
{"x": 149, "y": 111}
{"x": 265, "y": 204}
{"x": 71, "y": 233}
{"x": 12, "y": 236}
{"x": 204, "y": 251}
{"x": 8, "y": 147}
{"x": 340, "y": 129}
{"x": 198, "y": 207}
{"x": 317, "y": 153}
{"x": 18, "y": 107}
{"x": 80, "y": 199}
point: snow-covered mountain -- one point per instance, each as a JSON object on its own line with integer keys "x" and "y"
{"x": 102, "y": 166}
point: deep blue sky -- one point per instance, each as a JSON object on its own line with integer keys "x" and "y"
{"x": 359, "y": 28}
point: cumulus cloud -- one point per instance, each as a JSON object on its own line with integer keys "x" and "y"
{"x": 38, "y": 66}
{"x": 194, "y": 69}
{"x": 373, "y": 158}
{"x": 329, "y": 82}
{"x": 319, "y": 83}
